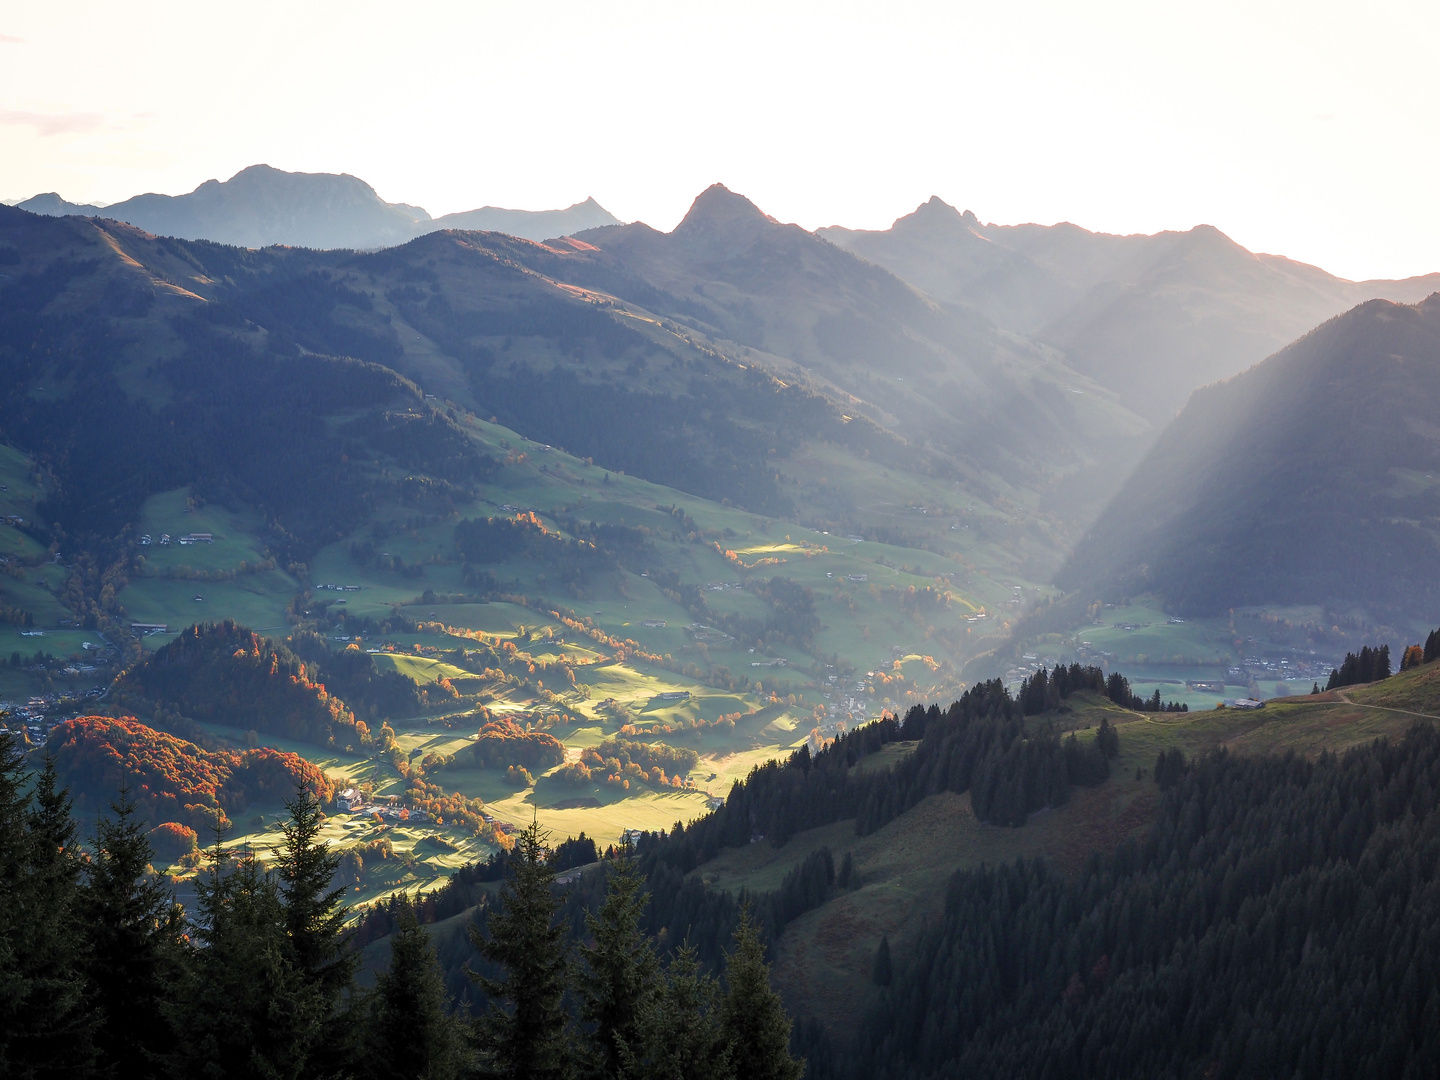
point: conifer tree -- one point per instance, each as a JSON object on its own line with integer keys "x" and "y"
{"x": 882, "y": 971}
{"x": 56, "y": 1031}
{"x": 522, "y": 1035}
{"x": 752, "y": 1015}
{"x": 314, "y": 914}
{"x": 618, "y": 976}
{"x": 133, "y": 926}
{"x": 411, "y": 1032}
{"x": 14, "y": 986}
{"x": 1108, "y": 739}
{"x": 244, "y": 1006}
{"x": 679, "y": 1030}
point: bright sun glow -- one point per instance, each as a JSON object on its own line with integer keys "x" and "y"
{"x": 1300, "y": 128}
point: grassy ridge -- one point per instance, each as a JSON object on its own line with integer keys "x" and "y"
{"x": 823, "y": 959}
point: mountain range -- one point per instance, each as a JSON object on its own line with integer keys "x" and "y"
{"x": 1150, "y": 317}
{"x": 260, "y": 206}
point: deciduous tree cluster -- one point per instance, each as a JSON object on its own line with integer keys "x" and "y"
{"x": 171, "y": 779}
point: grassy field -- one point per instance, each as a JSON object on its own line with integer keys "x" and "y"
{"x": 177, "y": 514}
{"x": 257, "y": 600}
{"x": 419, "y": 668}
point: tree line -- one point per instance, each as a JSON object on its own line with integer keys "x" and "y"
{"x": 1046, "y": 691}
{"x": 1373, "y": 665}
{"x": 1366, "y": 666}
{"x": 103, "y": 974}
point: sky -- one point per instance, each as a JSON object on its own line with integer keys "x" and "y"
{"x": 1304, "y": 129}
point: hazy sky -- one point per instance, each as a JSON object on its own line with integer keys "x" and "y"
{"x": 1306, "y": 128}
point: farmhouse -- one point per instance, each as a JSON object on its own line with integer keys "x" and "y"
{"x": 672, "y": 695}
{"x": 1247, "y": 703}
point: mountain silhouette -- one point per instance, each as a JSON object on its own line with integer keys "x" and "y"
{"x": 261, "y": 206}
{"x": 1150, "y": 317}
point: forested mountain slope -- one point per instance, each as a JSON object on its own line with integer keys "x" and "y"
{"x": 1313, "y": 478}
{"x": 1150, "y": 317}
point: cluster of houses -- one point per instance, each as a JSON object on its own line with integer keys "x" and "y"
{"x": 1254, "y": 667}
{"x": 189, "y": 538}
{"x": 352, "y": 800}
{"x": 25, "y": 720}
{"x": 850, "y": 711}
{"x": 338, "y": 588}
{"x": 35, "y": 717}
{"x": 499, "y": 826}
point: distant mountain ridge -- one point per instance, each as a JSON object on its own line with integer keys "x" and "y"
{"x": 529, "y": 224}
{"x": 262, "y": 206}
{"x": 52, "y": 205}
{"x": 1150, "y": 317}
